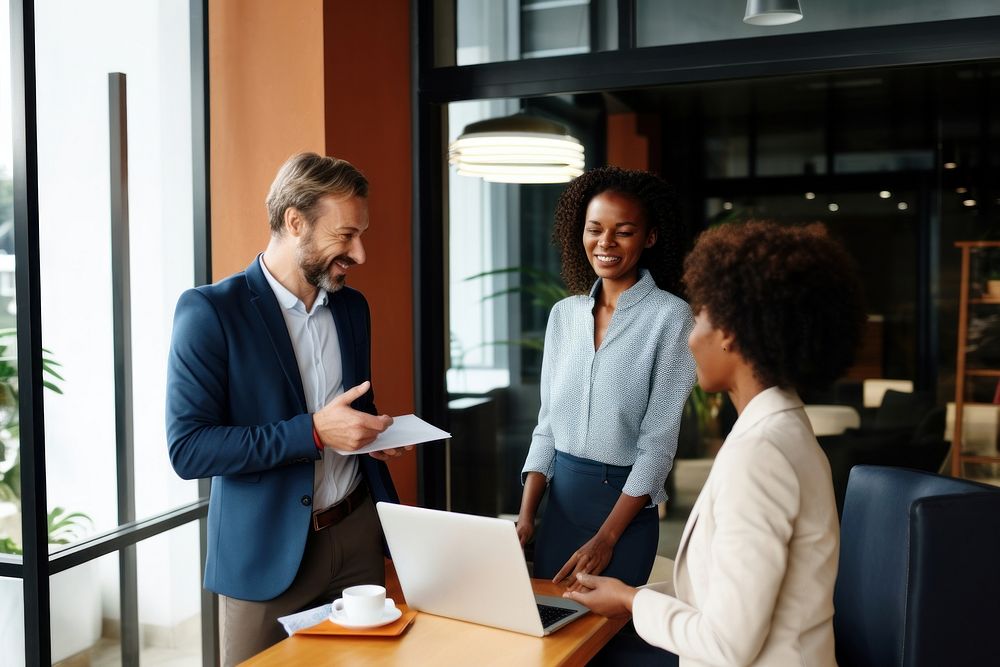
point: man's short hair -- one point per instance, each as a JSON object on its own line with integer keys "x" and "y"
{"x": 307, "y": 177}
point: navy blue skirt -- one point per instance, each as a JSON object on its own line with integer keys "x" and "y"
{"x": 582, "y": 494}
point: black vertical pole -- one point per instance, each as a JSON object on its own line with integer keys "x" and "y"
{"x": 429, "y": 327}
{"x": 202, "y": 216}
{"x": 200, "y": 148}
{"x": 34, "y": 529}
{"x": 122, "y": 305}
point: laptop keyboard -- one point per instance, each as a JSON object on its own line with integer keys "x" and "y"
{"x": 551, "y": 615}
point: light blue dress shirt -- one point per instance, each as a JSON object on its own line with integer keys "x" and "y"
{"x": 317, "y": 353}
{"x": 620, "y": 404}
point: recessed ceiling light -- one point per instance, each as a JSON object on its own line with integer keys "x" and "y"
{"x": 833, "y": 207}
{"x": 728, "y": 206}
{"x": 902, "y": 206}
{"x": 884, "y": 194}
{"x": 969, "y": 202}
{"x": 950, "y": 165}
{"x": 810, "y": 195}
{"x": 961, "y": 190}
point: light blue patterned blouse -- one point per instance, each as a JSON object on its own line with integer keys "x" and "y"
{"x": 621, "y": 404}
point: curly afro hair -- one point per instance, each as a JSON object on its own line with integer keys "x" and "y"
{"x": 790, "y": 296}
{"x": 664, "y": 259}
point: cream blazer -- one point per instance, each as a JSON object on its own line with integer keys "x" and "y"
{"x": 754, "y": 575}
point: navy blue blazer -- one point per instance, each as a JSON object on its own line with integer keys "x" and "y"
{"x": 236, "y": 412}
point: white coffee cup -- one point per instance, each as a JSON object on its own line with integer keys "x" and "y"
{"x": 364, "y": 604}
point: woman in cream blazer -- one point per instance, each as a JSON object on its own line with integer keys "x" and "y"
{"x": 778, "y": 309}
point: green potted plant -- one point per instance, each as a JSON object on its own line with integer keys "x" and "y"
{"x": 63, "y": 526}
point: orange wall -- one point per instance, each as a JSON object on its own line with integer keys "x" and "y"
{"x": 633, "y": 141}
{"x": 329, "y": 77}
{"x": 266, "y": 103}
{"x": 367, "y": 85}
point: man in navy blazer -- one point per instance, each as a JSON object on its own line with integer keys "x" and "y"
{"x": 258, "y": 368}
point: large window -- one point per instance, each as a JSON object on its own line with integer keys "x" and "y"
{"x": 489, "y": 31}
{"x": 498, "y": 30}
{"x": 148, "y": 42}
{"x": 110, "y": 96}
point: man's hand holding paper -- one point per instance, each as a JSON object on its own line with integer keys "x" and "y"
{"x": 400, "y": 436}
{"x": 345, "y": 430}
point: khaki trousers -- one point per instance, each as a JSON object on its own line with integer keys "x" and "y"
{"x": 347, "y": 554}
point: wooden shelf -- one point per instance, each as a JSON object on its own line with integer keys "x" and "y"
{"x": 967, "y": 299}
{"x": 977, "y": 244}
{"x": 982, "y": 372}
{"x": 975, "y": 458}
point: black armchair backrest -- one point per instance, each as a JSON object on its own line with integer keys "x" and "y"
{"x": 919, "y": 579}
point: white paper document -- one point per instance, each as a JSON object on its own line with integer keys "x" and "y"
{"x": 305, "y": 619}
{"x": 405, "y": 430}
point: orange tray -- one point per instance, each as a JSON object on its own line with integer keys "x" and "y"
{"x": 393, "y": 629}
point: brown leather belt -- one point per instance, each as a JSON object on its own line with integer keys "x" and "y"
{"x": 334, "y": 514}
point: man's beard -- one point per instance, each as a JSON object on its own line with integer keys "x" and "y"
{"x": 317, "y": 272}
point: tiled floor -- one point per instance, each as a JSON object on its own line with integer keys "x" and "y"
{"x": 107, "y": 653}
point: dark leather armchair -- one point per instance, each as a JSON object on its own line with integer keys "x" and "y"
{"x": 919, "y": 579}
{"x": 905, "y": 431}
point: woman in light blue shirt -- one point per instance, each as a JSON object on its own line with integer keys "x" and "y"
{"x": 615, "y": 376}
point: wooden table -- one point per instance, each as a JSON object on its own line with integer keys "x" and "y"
{"x": 438, "y": 641}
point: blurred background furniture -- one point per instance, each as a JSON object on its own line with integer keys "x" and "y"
{"x": 473, "y": 456}
{"x": 980, "y": 428}
{"x": 918, "y": 584}
{"x": 905, "y": 430}
{"x": 873, "y": 389}
{"x": 832, "y": 419}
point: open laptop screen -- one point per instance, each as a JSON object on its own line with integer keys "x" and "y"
{"x": 464, "y": 566}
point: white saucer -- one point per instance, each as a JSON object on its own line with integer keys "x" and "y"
{"x": 390, "y": 614}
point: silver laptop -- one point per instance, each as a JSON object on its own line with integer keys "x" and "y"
{"x": 470, "y": 568}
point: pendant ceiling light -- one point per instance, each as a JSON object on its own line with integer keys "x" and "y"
{"x": 772, "y": 12}
{"x": 517, "y": 149}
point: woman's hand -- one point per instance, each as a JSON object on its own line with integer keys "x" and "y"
{"x": 525, "y": 530}
{"x": 604, "y": 595}
{"x": 534, "y": 487}
{"x": 591, "y": 558}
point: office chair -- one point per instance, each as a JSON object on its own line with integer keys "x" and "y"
{"x": 919, "y": 579}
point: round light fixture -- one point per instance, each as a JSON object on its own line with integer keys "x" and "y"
{"x": 950, "y": 165}
{"x": 884, "y": 194}
{"x": 728, "y": 206}
{"x": 902, "y": 206}
{"x": 810, "y": 195}
{"x": 969, "y": 203}
{"x": 517, "y": 149}
{"x": 833, "y": 207}
{"x": 772, "y": 12}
